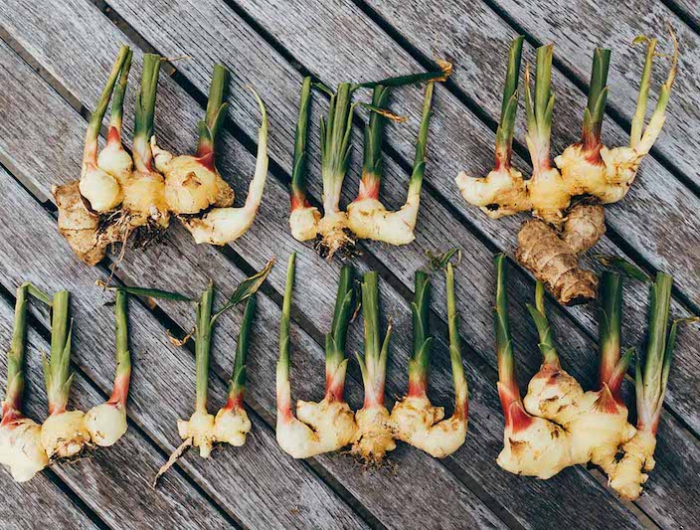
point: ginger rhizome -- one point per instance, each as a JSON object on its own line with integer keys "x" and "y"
{"x": 21, "y": 449}
{"x": 328, "y": 425}
{"x": 558, "y": 424}
{"x": 567, "y": 199}
{"x": 415, "y": 420}
{"x": 106, "y": 423}
{"x": 63, "y": 434}
{"x": 366, "y": 217}
{"x": 231, "y": 424}
{"x": 120, "y": 193}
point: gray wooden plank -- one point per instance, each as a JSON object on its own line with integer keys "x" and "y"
{"x": 687, "y": 11}
{"x": 361, "y": 488}
{"x": 435, "y": 223}
{"x": 422, "y": 465}
{"x": 106, "y": 479}
{"x": 564, "y": 23}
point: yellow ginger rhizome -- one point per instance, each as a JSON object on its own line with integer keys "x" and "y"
{"x": 366, "y": 217}
{"x": 557, "y": 424}
{"x": 122, "y": 193}
{"x": 372, "y": 431}
{"x": 566, "y": 199}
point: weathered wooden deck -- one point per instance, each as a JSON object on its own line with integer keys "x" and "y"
{"x": 54, "y": 56}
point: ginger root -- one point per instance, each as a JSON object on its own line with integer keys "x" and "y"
{"x": 552, "y": 255}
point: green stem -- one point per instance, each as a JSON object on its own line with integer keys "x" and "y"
{"x": 504, "y": 342}
{"x": 509, "y": 105}
{"x": 650, "y": 385}
{"x": 459, "y": 379}
{"x": 238, "y": 378}
{"x": 335, "y": 340}
{"x": 597, "y": 97}
{"x": 298, "y": 197}
{"x": 373, "y": 365}
{"x": 57, "y": 369}
{"x": 93, "y": 130}
{"x": 12, "y": 405}
{"x": 335, "y": 145}
{"x": 642, "y": 142}
{"x": 203, "y": 345}
{"x": 123, "y": 356}
{"x": 610, "y": 326}
{"x": 418, "y": 366}
{"x": 285, "y": 319}
{"x": 416, "y": 182}
{"x": 544, "y": 330}
{"x": 372, "y": 163}
{"x": 216, "y": 112}
{"x": 643, "y": 96}
{"x": 539, "y": 111}
{"x": 145, "y": 110}
{"x": 117, "y": 112}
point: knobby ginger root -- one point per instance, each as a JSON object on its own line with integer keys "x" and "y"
{"x": 106, "y": 423}
{"x": 552, "y": 254}
{"x": 416, "y": 421}
{"x": 368, "y": 218}
{"x": 560, "y": 424}
{"x": 586, "y": 169}
{"x": 221, "y": 226}
{"x": 192, "y": 183}
{"x": 328, "y": 425}
{"x": 231, "y": 424}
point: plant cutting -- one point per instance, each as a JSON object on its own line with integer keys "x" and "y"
{"x": 558, "y": 424}
{"x": 21, "y": 449}
{"x": 375, "y": 436}
{"x": 99, "y": 182}
{"x": 332, "y": 229}
{"x": 532, "y": 446}
{"x": 100, "y": 189}
{"x": 63, "y": 434}
{"x": 328, "y": 425}
{"x": 550, "y": 245}
{"x": 231, "y": 425}
{"x": 368, "y": 218}
{"x": 192, "y": 183}
{"x": 106, "y": 423}
{"x": 651, "y": 380}
{"x": 223, "y": 225}
{"x": 416, "y": 421}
